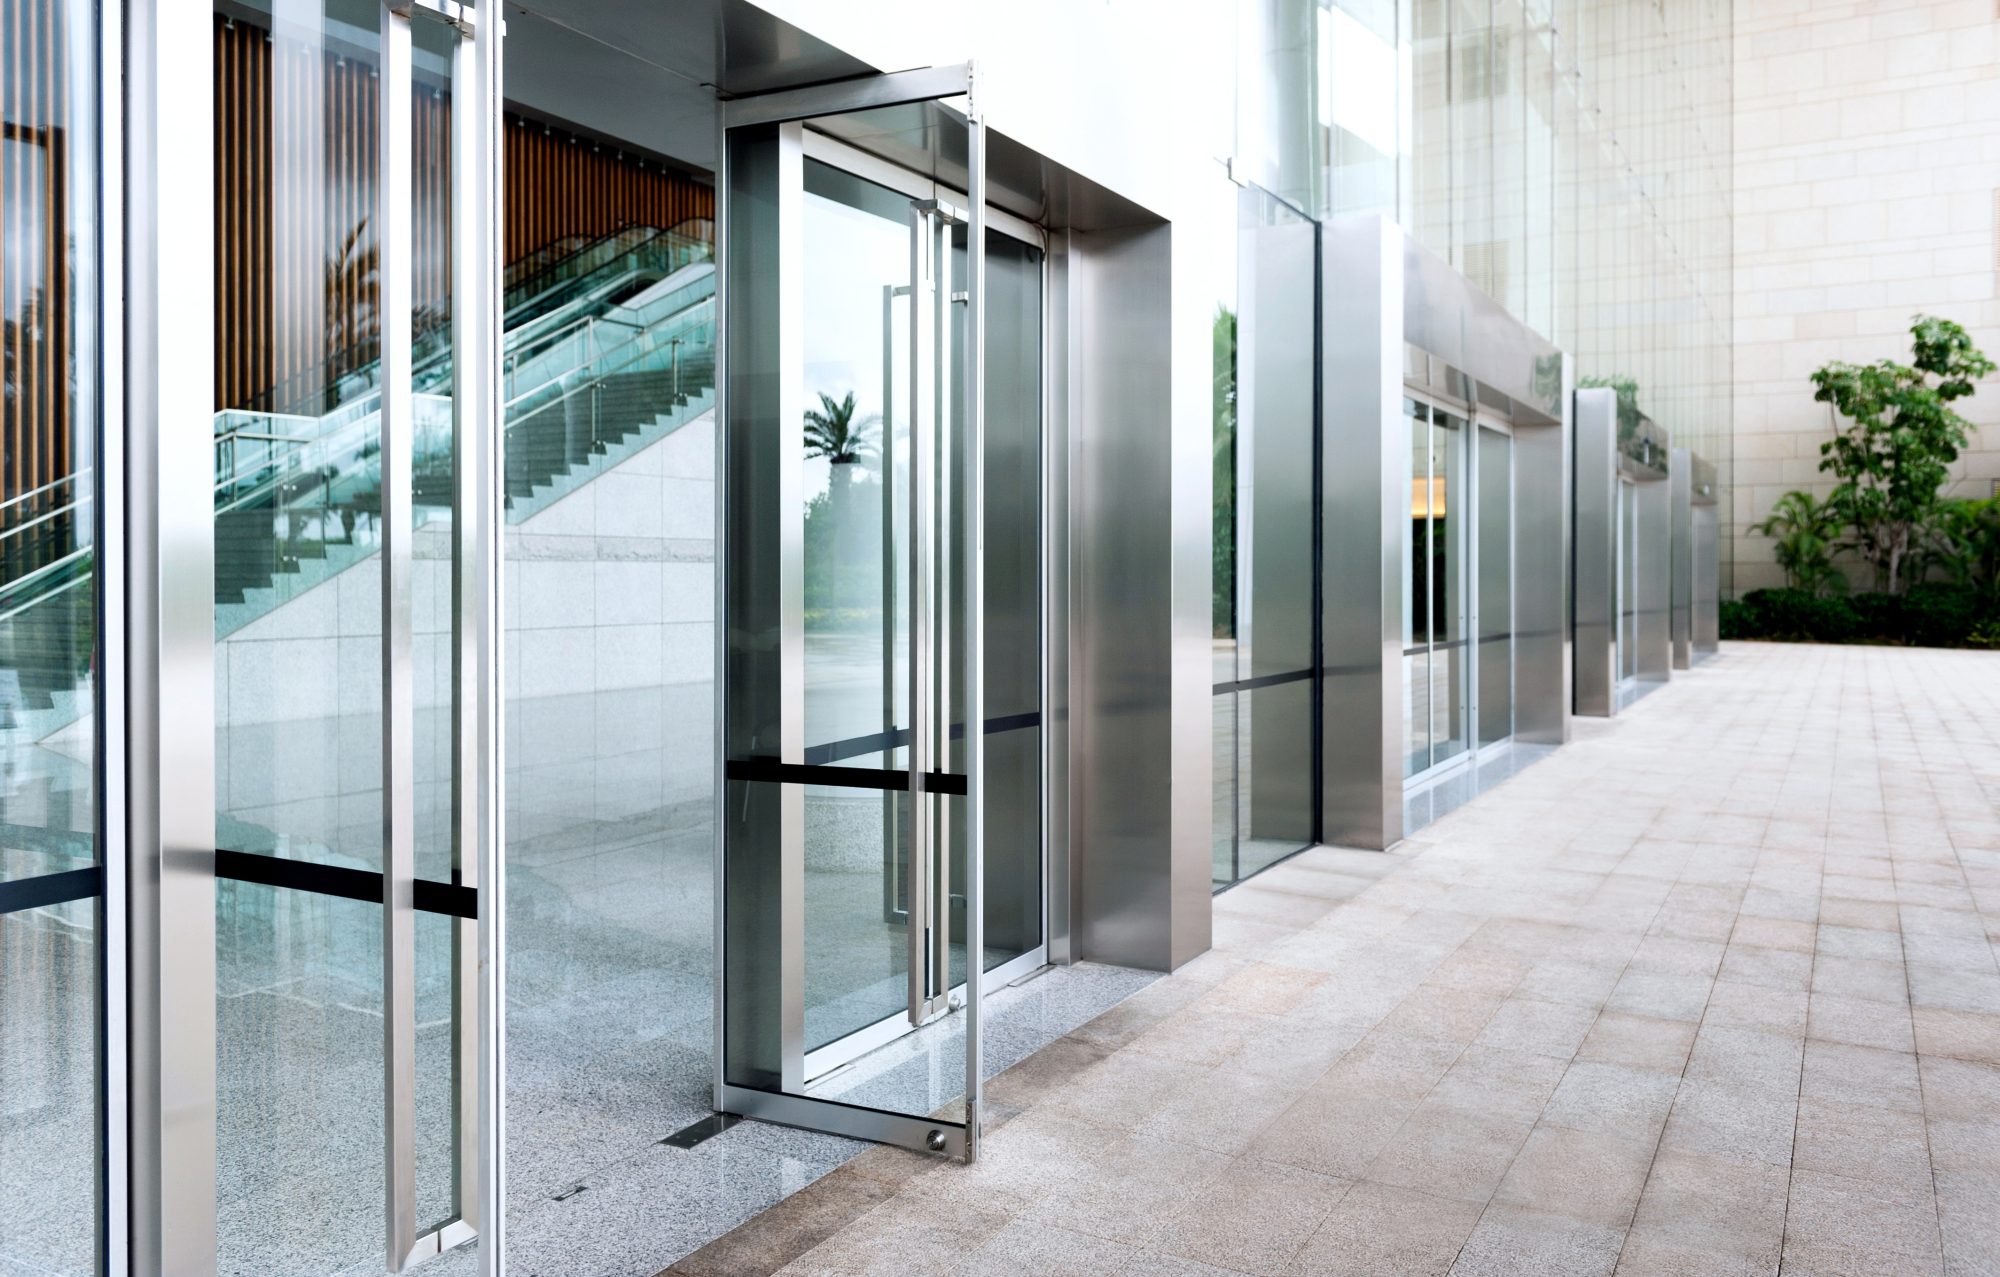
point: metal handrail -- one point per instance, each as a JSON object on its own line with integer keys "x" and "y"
{"x": 21, "y": 582}
{"x": 52, "y": 484}
{"x": 597, "y": 378}
{"x": 58, "y": 512}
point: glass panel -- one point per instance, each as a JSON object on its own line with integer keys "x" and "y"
{"x": 1265, "y": 445}
{"x": 1276, "y": 820}
{"x": 1496, "y": 587}
{"x": 608, "y": 361}
{"x": 1427, "y": 97}
{"x": 1222, "y": 815}
{"x": 1448, "y": 611}
{"x": 299, "y": 1081}
{"x": 1277, "y": 354}
{"x": 298, "y": 626}
{"x": 50, "y": 953}
{"x": 856, "y": 253}
{"x": 1013, "y": 616}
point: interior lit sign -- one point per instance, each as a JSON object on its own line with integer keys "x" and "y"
{"x": 1427, "y": 498}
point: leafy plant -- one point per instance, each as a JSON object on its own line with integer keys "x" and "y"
{"x": 833, "y": 432}
{"x": 1805, "y": 533}
{"x": 1902, "y": 436}
{"x": 1965, "y": 543}
{"x": 1627, "y": 390}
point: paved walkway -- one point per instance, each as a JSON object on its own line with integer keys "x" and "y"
{"x": 1712, "y": 990}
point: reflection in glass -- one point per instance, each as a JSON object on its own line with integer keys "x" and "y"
{"x": 1448, "y": 654}
{"x": 50, "y": 888}
{"x": 1266, "y": 502}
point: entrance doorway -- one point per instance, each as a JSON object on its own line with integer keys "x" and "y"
{"x": 882, "y": 589}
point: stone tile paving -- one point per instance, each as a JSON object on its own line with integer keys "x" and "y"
{"x": 1711, "y": 990}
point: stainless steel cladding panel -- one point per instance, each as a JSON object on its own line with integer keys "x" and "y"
{"x": 1594, "y": 581}
{"x": 1655, "y": 551}
{"x": 1134, "y": 489}
{"x": 1681, "y": 514}
{"x": 1274, "y": 414}
{"x": 1543, "y": 495}
{"x": 1707, "y": 577}
{"x": 1060, "y": 616}
{"x": 1365, "y": 516}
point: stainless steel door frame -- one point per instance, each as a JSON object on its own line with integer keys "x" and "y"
{"x": 1465, "y": 599}
{"x": 787, "y": 111}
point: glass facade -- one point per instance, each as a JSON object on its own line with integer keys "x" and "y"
{"x": 52, "y": 921}
{"x": 1266, "y": 551}
{"x": 1571, "y": 159}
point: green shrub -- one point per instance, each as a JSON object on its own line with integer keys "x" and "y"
{"x": 1939, "y": 614}
{"x": 1931, "y": 614}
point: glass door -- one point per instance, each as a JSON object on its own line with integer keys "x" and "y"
{"x": 1436, "y": 691}
{"x": 856, "y": 810}
{"x": 355, "y": 567}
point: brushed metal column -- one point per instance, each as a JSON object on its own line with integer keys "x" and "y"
{"x": 1140, "y": 611}
{"x": 1655, "y": 571}
{"x": 169, "y": 614}
{"x": 1707, "y": 590}
{"x": 1364, "y": 521}
{"x": 1543, "y": 498}
{"x": 1595, "y": 577}
{"x": 1680, "y": 514}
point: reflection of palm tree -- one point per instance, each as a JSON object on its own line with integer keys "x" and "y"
{"x": 351, "y": 274}
{"x": 833, "y": 432}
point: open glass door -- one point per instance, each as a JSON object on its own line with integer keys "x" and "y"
{"x": 852, "y": 802}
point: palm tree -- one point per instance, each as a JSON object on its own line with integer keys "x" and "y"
{"x": 1803, "y": 529}
{"x": 833, "y": 432}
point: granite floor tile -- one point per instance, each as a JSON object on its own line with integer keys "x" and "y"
{"x": 1135, "y": 1188}
{"x": 1638, "y": 1041}
{"x": 1513, "y": 1240}
{"x": 1724, "y": 1010}
{"x": 1612, "y": 1099}
{"x": 1733, "y": 1122}
{"x": 1254, "y": 1217}
{"x": 1834, "y": 1224}
{"x": 1842, "y": 1074}
{"x": 1713, "y": 1206}
{"x": 1450, "y": 1152}
{"x": 1585, "y": 1175}
{"x": 1377, "y": 1230}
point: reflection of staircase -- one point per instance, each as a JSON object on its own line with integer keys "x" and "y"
{"x": 550, "y": 454}
{"x": 609, "y": 348}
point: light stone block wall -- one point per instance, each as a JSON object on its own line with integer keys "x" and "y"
{"x": 1867, "y": 187}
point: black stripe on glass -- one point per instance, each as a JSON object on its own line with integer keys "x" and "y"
{"x": 880, "y": 742}
{"x": 1263, "y": 680}
{"x": 772, "y": 772}
{"x": 451, "y": 899}
{"x": 1442, "y": 646}
{"x": 51, "y": 889}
